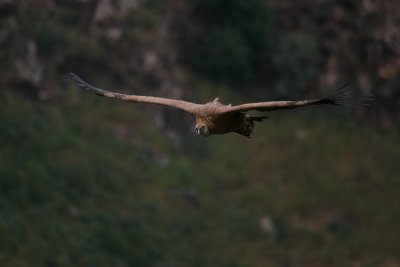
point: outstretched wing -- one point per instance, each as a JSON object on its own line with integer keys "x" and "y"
{"x": 340, "y": 97}
{"x": 180, "y": 104}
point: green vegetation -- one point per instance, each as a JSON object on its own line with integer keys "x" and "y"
{"x": 91, "y": 182}
{"x": 229, "y": 40}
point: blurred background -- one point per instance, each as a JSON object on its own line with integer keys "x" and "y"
{"x": 87, "y": 181}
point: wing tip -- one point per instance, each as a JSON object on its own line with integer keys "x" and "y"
{"x": 87, "y": 86}
{"x": 75, "y": 77}
{"x": 344, "y": 97}
{"x": 79, "y": 80}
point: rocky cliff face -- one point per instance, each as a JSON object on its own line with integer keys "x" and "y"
{"x": 358, "y": 41}
{"x": 147, "y": 44}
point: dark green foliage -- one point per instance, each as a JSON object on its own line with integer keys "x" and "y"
{"x": 57, "y": 200}
{"x": 295, "y": 65}
{"x": 229, "y": 40}
{"x": 233, "y": 42}
{"x": 224, "y": 57}
{"x": 45, "y": 39}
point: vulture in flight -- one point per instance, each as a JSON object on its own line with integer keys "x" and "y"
{"x": 216, "y": 118}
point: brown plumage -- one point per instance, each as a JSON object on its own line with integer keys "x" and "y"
{"x": 216, "y": 118}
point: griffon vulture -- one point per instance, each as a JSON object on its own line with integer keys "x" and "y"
{"x": 216, "y": 118}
